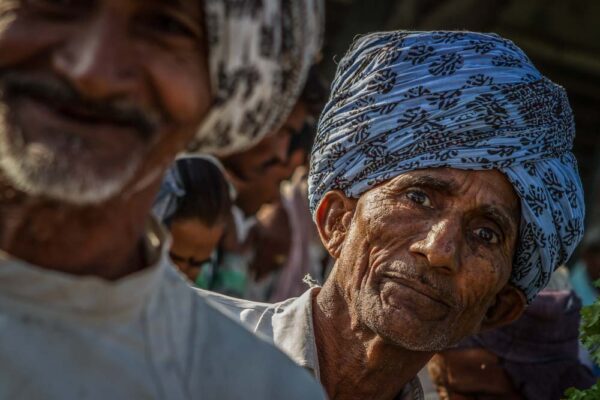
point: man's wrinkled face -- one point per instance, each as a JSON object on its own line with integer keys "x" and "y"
{"x": 97, "y": 93}
{"x": 426, "y": 254}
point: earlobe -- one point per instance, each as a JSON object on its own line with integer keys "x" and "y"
{"x": 509, "y": 306}
{"x": 333, "y": 218}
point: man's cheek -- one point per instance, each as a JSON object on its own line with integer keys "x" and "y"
{"x": 474, "y": 308}
{"x": 475, "y": 293}
{"x": 171, "y": 141}
{"x": 21, "y": 38}
{"x": 482, "y": 278}
{"x": 354, "y": 259}
{"x": 183, "y": 89}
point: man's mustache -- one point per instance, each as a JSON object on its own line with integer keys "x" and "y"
{"x": 61, "y": 96}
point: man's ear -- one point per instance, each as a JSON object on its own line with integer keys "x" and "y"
{"x": 333, "y": 217}
{"x": 508, "y": 307}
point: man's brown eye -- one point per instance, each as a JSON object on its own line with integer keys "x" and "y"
{"x": 487, "y": 235}
{"x": 418, "y": 197}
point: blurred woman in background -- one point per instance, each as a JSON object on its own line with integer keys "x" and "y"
{"x": 194, "y": 203}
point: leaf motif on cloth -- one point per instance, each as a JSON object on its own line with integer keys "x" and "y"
{"x": 446, "y": 64}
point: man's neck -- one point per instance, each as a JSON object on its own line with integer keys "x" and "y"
{"x": 354, "y": 362}
{"x": 103, "y": 240}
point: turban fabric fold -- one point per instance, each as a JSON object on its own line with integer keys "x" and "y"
{"x": 403, "y": 101}
{"x": 260, "y": 52}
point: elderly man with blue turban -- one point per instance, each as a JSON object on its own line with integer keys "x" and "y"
{"x": 443, "y": 184}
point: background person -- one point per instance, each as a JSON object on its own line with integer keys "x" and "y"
{"x": 258, "y": 171}
{"x": 195, "y": 204}
{"x": 286, "y": 244}
{"x": 251, "y": 254}
{"x": 536, "y": 357}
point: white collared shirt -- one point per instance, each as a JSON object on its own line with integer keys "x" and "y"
{"x": 146, "y": 336}
{"x": 289, "y": 324}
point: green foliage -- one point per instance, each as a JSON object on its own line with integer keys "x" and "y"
{"x": 590, "y": 337}
{"x": 592, "y": 393}
{"x": 590, "y": 328}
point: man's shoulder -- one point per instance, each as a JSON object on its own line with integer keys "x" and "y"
{"x": 232, "y": 303}
{"x": 223, "y": 359}
{"x": 259, "y": 369}
{"x": 250, "y": 313}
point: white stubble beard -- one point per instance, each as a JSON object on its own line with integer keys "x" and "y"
{"x": 38, "y": 170}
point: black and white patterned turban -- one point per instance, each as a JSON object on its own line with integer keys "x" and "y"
{"x": 403, "y": 101}
{"x": 260, "y": 52}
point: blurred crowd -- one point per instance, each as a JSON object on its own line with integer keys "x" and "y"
{"x": 240, "y": 223}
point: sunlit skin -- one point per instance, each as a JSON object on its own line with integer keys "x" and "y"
{"x": 148, "y": 54}
{"x": 193, "y": 243}
{"x": 422, "y": 261}
{"x": 258, "y": 172}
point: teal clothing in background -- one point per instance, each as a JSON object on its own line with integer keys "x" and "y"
{"x": 582, "y": 284}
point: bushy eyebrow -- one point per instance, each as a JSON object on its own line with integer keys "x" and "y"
{"x": 501, "y": 217}
{"x": 448, "y": 187}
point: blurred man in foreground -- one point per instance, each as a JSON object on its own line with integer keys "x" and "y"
{"x": 443, "y": 184}
{"x": 96, "y": 100}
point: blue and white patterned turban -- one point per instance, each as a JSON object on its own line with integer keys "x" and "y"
{"x": 403, "y": 101}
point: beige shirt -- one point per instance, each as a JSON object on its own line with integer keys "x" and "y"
{"x": 289, "y": 324}
{"x": 146, "y": 336}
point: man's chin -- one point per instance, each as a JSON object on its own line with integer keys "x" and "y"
{"x": 430, "y": 342}
{"x": 402, "y": 330}
{"x": 66, "y": 178}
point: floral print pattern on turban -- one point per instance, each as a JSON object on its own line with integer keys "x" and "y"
{"x": 260, "y": 52}
{"x": 403, "y": 101}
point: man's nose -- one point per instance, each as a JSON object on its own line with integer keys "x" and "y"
{"x": 442, "y": 245}
{"x": 96, "y": 60}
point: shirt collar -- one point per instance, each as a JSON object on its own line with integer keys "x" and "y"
{"x": 27, "y": 286}
{"x": 293, "y": 330}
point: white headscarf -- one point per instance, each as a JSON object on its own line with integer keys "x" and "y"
{"x": 260, "y": 52}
